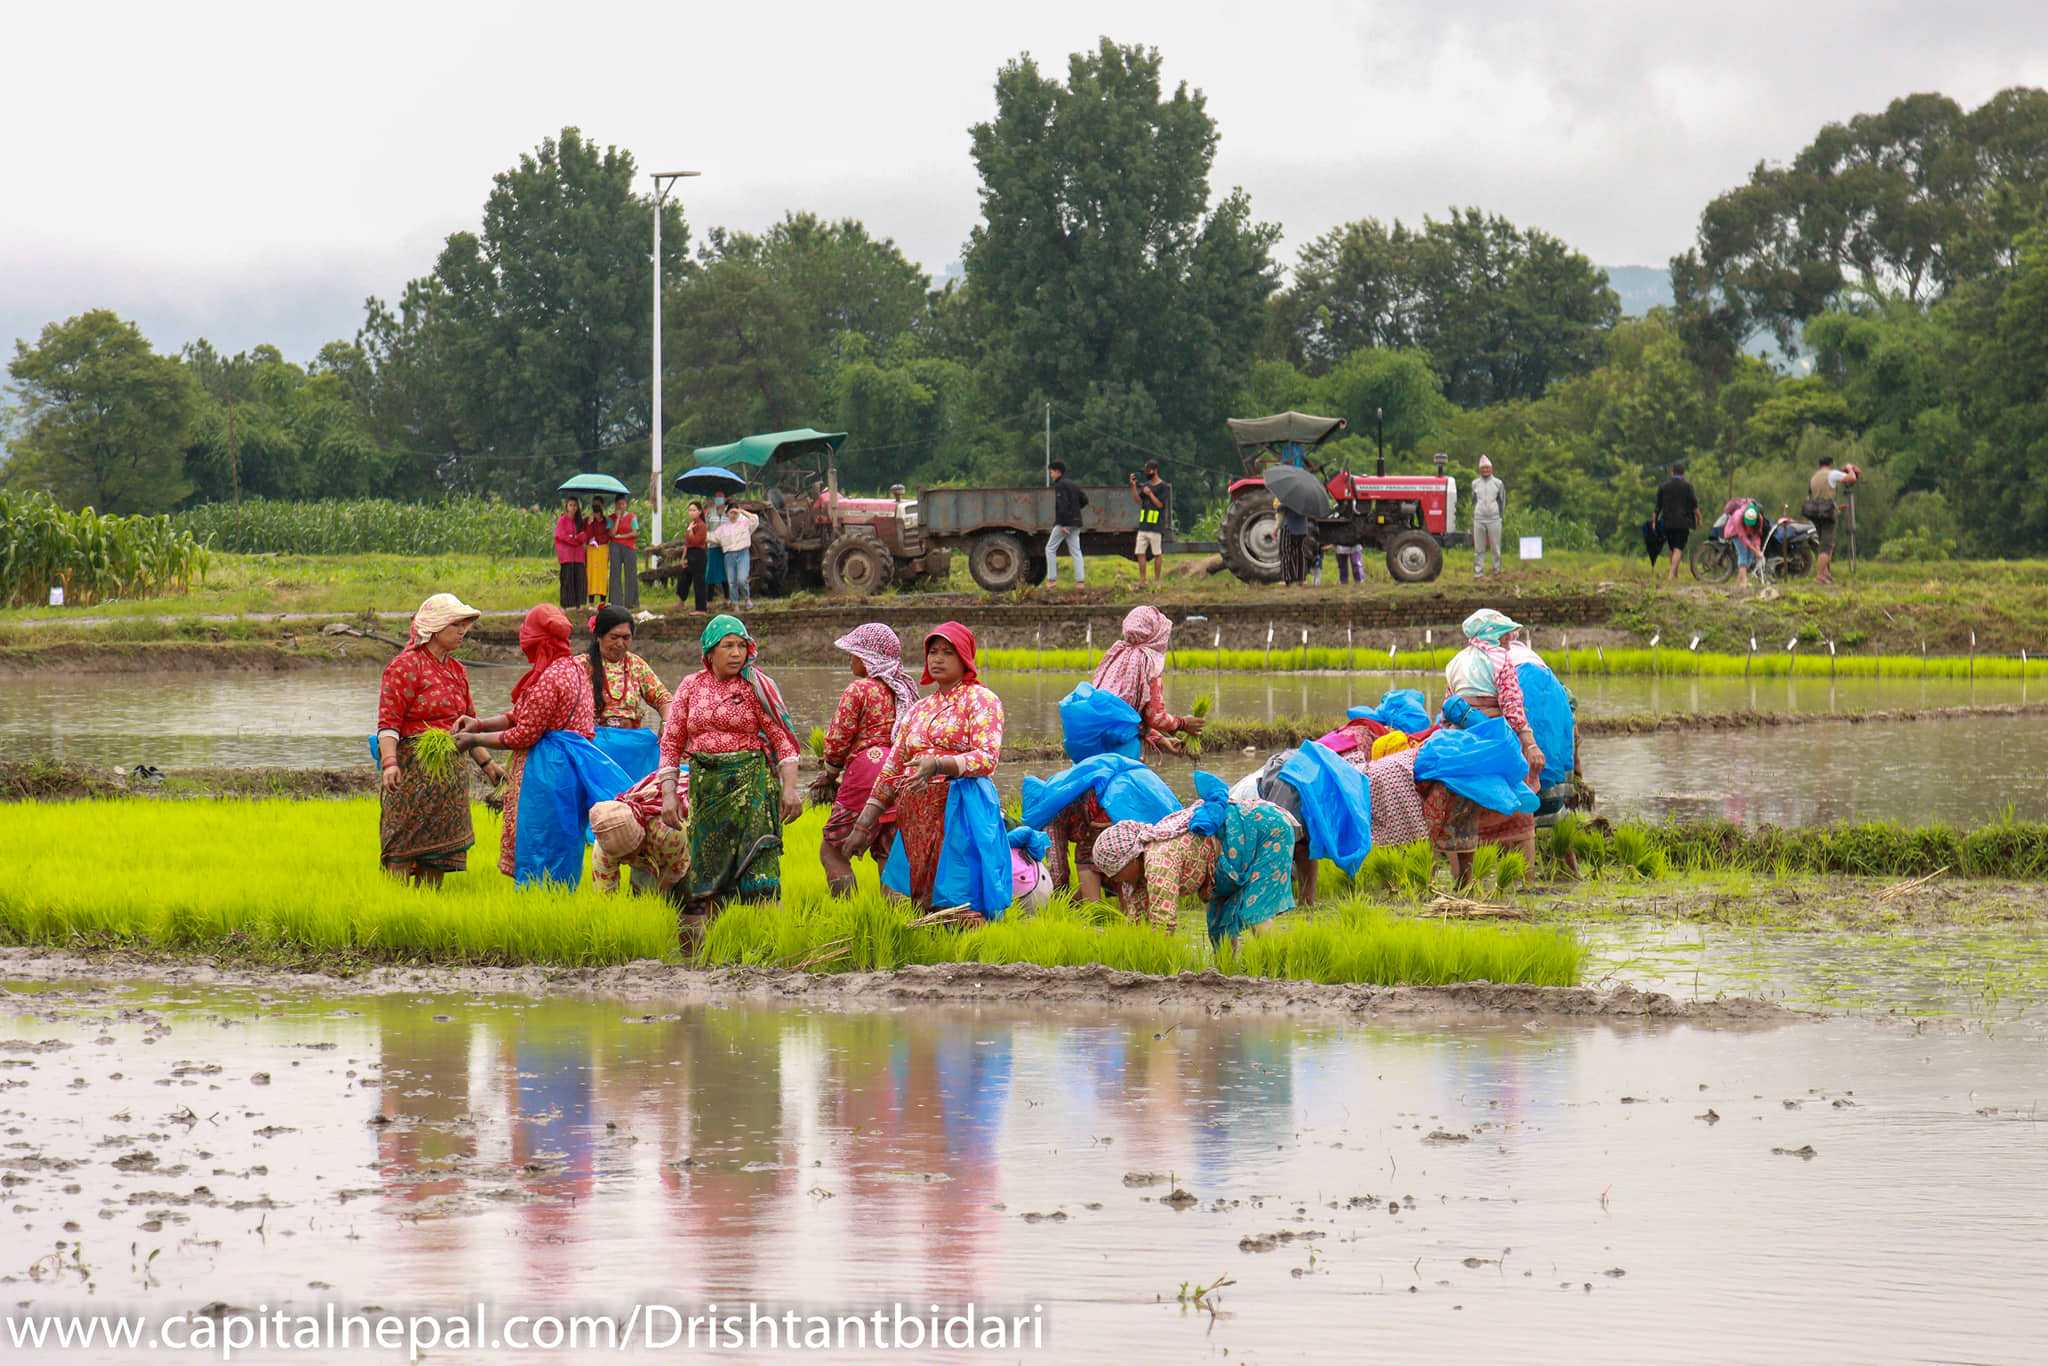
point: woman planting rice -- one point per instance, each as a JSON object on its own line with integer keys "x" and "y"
{"x": 728, "y": 720}
{"x": 870, "y": 712}
{"x": 1482, "y": 680}
{"x": 621, "y": 681}
{"x": 951, "y": 843}
{"x": 425, "y": 828}
{"x": 557, "y": 773}
{"x": 1237, "y": 856}
{"x": 631, "y": 834}
{"x": 1133, "y": 669}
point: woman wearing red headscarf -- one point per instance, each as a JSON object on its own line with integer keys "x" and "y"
{"x": 553, "y": 695}
{"x": 956, "y": 732}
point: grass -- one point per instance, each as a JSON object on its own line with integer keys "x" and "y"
{"x": 297, "y": 882}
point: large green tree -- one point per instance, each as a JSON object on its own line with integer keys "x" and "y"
{"x": 1906, "y": 203}
{"x": 103, "y": 417}
{"x": 264, "y": 427}
{"x": 525, "y": 355}
{"x": 1502, "y": 311}
{"x": 1101, "y": 277}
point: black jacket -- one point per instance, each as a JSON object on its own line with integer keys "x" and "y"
{"x": 1067, "y": 502}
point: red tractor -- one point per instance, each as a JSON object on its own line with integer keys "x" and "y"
{"x": 1412, "y": 518}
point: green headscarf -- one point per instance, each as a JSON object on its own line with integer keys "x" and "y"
{"x": 1489, "y": 626}
{"x": 724, "y": 626}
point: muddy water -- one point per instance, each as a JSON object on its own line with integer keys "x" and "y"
{"x": 1960, "y": 771}
{"x": 1554, "y": 1182}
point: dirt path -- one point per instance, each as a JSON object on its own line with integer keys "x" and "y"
{"x": 1206, "y": 994}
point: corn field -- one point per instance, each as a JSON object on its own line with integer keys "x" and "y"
{"x": 92, "y": 558}
{"x": 458, "y": 526}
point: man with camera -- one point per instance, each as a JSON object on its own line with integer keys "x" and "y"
{"x": 1154, "y": 497}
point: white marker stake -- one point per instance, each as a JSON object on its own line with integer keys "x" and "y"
{"x": 1695, "y": 646}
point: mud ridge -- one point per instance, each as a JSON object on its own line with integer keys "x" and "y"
{"x": 1207, "y": 994}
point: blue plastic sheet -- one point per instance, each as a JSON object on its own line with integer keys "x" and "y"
{"x": 1212, "y": 804}
{"x": 1096, "y": 722}
{"x": 1550, "y": 719}
{"x": 1126, "y": 788}
{"x": 1483, "y": 764}
{"x": 974, "y": 857}
{"x": 1335, "y": 806}
{"x": 638, "y": 752}
{"x": 1401, "y": 709}
{"x": 1035, "y": 844}
{"x": 565, "y": 776}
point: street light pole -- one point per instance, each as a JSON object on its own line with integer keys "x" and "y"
{"x": 663, "y": 181}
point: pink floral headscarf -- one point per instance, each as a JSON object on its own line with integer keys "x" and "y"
{"x": 1131, "y": 664}
{"x": 879, "y": 649}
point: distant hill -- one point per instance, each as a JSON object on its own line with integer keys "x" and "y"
{"x": 1641, "y": 288}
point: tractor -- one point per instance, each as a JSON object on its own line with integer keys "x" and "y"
{"x": 1411, "y": 518}
{"x": 810, "y": 536}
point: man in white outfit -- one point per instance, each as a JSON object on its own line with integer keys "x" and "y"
{"x": 1489, "y": 509}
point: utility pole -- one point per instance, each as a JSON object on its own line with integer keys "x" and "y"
{"x": 235, "y": 467}
{"x": 663, "y": 181}
{"x": 1048, "y": 445}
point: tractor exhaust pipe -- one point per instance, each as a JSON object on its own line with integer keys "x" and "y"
{"x": 1380, "y": 418}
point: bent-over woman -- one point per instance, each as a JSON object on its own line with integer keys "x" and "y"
{"x": 1484, "y": 678}
{"x": 1237, "y": 856}
{"x": 622, "y": 682}
{"x": 557, "y": 773}
{"x": 950, "y": 740}
{"x": 629, "y": 833}
{"x": 870, "y": 712}
{"x": 1134, "y": 669}
{"x": 728, "y": 722}
{"x": 424, "y": 826}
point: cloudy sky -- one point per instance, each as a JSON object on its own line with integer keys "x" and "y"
{"x": 250, "y": 173}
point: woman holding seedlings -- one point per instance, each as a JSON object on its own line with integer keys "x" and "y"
{"x": 951, "y": 849}
{"x": 621, "y": 682}
{"x": 729, "y": 722}
{"x": 1237, "y": 856}
{"x": 1482, "y": 680}
{"x": 870, "y": 713}
{"x": 425, "y": 828}
{"x": 1134, "y": 669}
{"x": 557, "y": 773}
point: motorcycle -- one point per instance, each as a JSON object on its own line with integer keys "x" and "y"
{"x": 1789, "y": 552}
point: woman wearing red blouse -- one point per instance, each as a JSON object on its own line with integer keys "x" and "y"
{"x": 870, "y": 712}
{"x": 624, "y": 589}
{"x": 728, "y": 720}
{"x": 572, "y": 535}
{"x": 554, "y": 694}
{"x": 425, "y": 828}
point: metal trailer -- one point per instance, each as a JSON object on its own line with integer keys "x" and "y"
{"x": 1003, "y": 531}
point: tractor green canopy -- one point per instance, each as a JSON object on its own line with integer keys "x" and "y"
{"x": 757, "y": 450}
{"x": 1283, "y": 427}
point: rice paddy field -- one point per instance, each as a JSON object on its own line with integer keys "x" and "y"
{"x": 297, "y": 882}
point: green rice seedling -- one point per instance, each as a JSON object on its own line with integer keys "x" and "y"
{"x": 1634, "y": 852}
{"x": 1485, "y": 859}
{"x": 1204, "y": 702}
{"x": 816, "y": 742}
{"x": 1398, "y": 870}
{"x": 434, "y": 751}
{"x": 1510, "y": 872}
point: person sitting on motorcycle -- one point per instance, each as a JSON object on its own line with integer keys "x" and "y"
{"x": 1742, "y": 525}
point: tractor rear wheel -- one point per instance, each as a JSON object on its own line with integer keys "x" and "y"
{"x": 999, "y": 561}
{"x": 1251, "y": 537}
{"x": 857, "y": 565}
{"x": 768, "y": 571}
{"x": 1414, "y": 557}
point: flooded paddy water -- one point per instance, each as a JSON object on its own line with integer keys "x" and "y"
{"x": 1959, "y": 770}
{"x": 1840, "y": 1189}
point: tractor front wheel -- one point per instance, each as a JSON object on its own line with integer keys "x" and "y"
{"x": 1414, "y": 557}
{"x": 857, "y": 565}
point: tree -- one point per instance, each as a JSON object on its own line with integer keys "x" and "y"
{"x": 264, "y": 427}
{"x": 1100, "y": 277}
{"x": 526, "y": 352}
{"x": 1903, "y": 204}
{"x": 103, "y": 417}
{"x": 1502, "y": 311}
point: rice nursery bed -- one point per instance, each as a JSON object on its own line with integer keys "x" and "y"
{"x": 298, "y": 882}
{"x": 1772, "y": 661}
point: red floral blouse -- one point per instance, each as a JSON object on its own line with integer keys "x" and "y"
{"x": 965, "y": 720}
{"x": 420, "y": 691}
{"x": 713, "y": 715}
{"x": 558, "y": 700}
{"x": 864, "y": 720}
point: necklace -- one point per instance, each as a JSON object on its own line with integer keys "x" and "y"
{"x": 611, "y": 697}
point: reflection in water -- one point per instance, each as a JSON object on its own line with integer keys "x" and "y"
{"x": 558, "y": 1153}
{"x": 1902, "y": 772}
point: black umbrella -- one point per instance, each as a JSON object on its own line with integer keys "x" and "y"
{"x": 1298, "y": 490}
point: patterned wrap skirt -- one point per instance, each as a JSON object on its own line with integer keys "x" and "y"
{"x": 856, "y": 785}
{"x": 425, "y": 821}
{"x": 1254, "y": 877}
{"x": 921, "y": 825}
{"x": 735, "y": 827}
